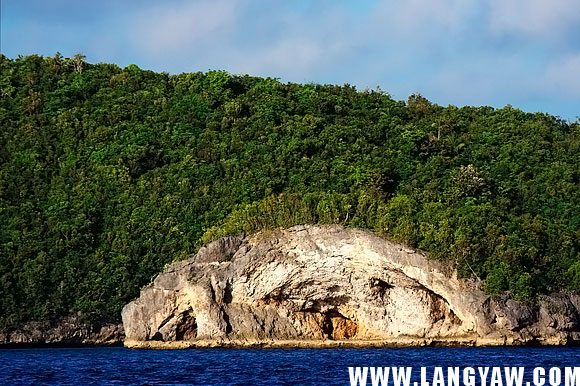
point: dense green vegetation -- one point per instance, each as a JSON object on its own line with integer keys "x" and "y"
{"x": 108, "y": 174}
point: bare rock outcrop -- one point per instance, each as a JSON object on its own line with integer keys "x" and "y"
{"x": 65, "y": 331}
{"x": 324, "y": 286}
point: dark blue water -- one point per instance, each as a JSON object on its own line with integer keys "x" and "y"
{"x": 120, "y": 366}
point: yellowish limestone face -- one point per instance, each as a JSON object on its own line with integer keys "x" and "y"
{"x": 323, "y": 286}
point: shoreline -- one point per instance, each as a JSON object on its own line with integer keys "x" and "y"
{"x": 383, "y": 343}
{"x": 27, "y": 346}
{"x": 402, "y": 342}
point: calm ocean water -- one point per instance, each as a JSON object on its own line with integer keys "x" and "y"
{"x": 120, "y": 366}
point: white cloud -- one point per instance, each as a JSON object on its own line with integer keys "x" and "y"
{"x": 171, "y": 29}
{"x": 288, "y": 43}
{"x": 452, "y": 51}
{"x": 412, "y": 16}
{"x": 482, "y": 80}
{"x": 294, "y": 55}
{"x": 562, "y": 76}
{"x": 537, "y": 18}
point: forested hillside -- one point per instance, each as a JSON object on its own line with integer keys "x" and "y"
{"x": 108, "y": 174}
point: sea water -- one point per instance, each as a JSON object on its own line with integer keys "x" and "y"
{"x": 121, "y": 366}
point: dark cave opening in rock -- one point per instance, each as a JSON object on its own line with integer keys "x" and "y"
{"x": 187, "y": 328}
{"x": 338, "y": 327}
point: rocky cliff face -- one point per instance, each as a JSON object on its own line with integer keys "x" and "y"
{"x": 325, "y": 286}
{"x": 64, "y": 331}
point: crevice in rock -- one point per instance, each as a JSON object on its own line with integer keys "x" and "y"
{"x": 212, "y": 292}
{"x": 455, "y": 320}
{"x": 274, "y": 297}
{"x": 379, "y": 287}
{"x": 440, "y": 307}
{"x": 318, "y": 305}
{"x": 166, "y": 320}
{"x": 334, "y": 288}
{"x": 228, "y": 293}
{"x": 158, "y": 335}
{"x": 226, "y": 319}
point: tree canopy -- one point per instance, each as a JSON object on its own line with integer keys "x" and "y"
{"x": 107, "y": 174}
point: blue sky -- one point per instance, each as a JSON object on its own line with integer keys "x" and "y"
{"x": 463, "y": 52}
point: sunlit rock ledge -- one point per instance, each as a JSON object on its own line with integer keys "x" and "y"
{"x": 327, "y": 286}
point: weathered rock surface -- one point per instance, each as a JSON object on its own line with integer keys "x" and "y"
{"x": 325, "y": 286}
{"x": 64, "y": 331}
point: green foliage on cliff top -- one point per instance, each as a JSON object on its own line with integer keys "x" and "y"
{"x": 108, "y": 174}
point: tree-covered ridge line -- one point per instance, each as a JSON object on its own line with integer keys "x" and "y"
{"x": 108, "y": 174}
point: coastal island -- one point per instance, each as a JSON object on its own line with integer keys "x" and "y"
{"x": 213, "y": 209}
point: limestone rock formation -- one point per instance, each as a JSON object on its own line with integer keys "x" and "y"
{"x": 325, "y": 286}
